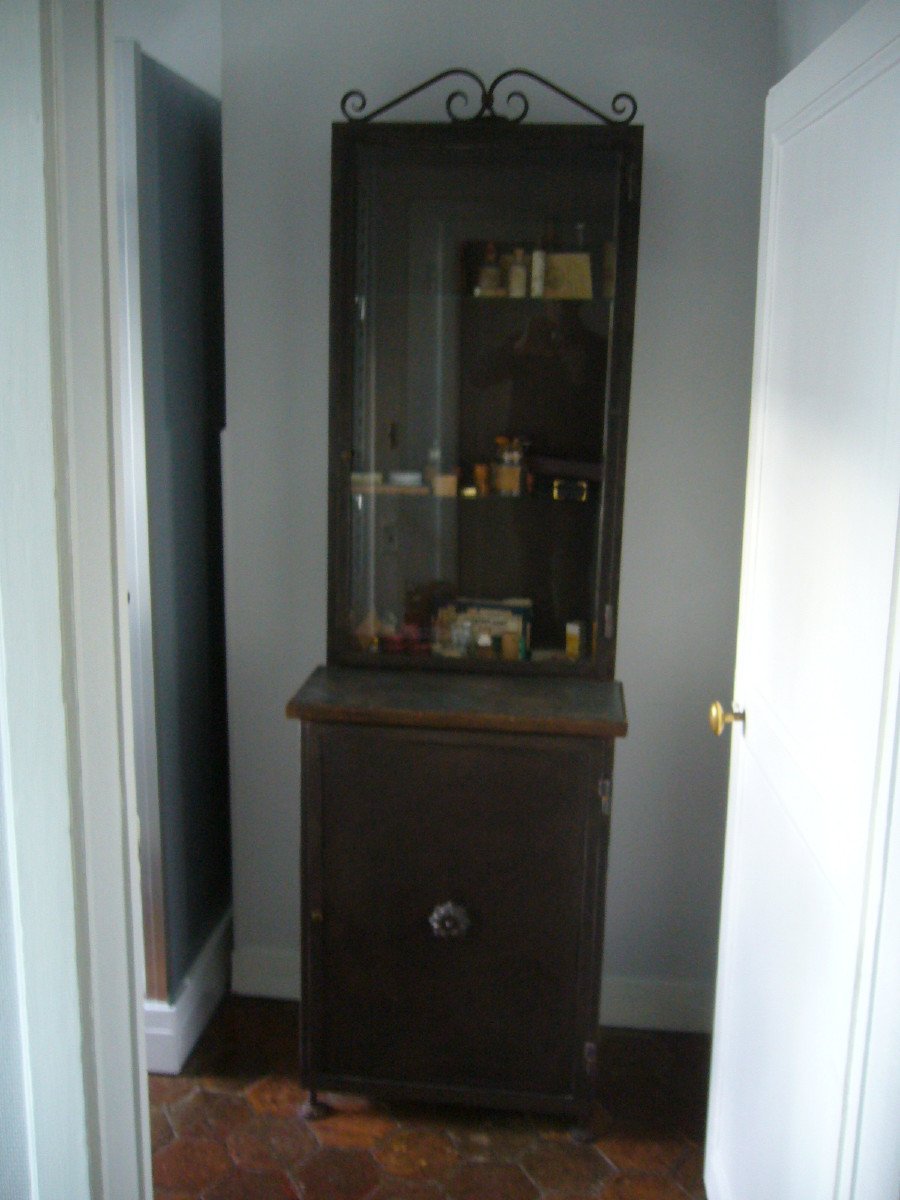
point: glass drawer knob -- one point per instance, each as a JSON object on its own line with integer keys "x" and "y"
{"x": 449, "y": 920}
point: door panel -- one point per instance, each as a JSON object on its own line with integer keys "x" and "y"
{"x": 809, "y": 791}
{"x": 825, "y": 491}
{"x": 804, "y": 945}
{"x": 501, "y": 826}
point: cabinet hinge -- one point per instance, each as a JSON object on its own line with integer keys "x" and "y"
{"x": 608, "y": 621}
{"x": 590, "y": 1059}
{"x": 604, "y": 791}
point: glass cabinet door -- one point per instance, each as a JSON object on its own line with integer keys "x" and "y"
{"x": 482, "y": 300}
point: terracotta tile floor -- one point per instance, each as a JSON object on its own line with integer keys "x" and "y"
{"x": 228, "y": 1128}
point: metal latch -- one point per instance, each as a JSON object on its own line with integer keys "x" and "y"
{"x": 590, "y": 1059}
{"x": 604, "y": 791}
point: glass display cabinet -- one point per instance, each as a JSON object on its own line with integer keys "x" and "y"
{"x": 457, "y": 747}
{"x": 482, "y": 310}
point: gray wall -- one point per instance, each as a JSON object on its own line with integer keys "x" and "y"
{"x": 700, "y": 71}
{"x": 804, "y": 24}
{"x": 183, "y": 35}
{"x": 701, "y": 96}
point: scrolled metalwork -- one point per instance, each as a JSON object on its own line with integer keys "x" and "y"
{"x": 354, "y": 103}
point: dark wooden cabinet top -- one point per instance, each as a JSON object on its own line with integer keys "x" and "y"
{"x": 426, "y": 699}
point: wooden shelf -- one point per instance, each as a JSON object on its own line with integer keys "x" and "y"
{"x": 524, "y": 704}
{"x": 389, "y": 489}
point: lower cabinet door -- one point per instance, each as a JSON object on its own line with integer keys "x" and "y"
{"x": 453, "y": 910}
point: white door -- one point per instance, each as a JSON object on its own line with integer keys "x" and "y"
{"x": 802, "y": 939}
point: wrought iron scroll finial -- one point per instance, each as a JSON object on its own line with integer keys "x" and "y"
{"x": 483, "y": 103}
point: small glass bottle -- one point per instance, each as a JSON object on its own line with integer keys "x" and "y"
{"x": 517, "y": 280}
{"x": 538, "y": 271}
{"x": 489, "y": 281}
{"x": 433, "y": 465}
{"x": 484, "y": 646}
{"x": 574, "y": 640}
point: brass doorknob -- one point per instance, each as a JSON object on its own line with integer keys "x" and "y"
{"x": 719, "y": 718}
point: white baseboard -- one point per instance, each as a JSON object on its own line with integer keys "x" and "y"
{"x": 678, "y": 1004}
{"x": 172, "y": 1028}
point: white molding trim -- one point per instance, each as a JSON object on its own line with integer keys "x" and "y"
{"x": 171, "y": 1029}
{"x": 48, "y": 1097}
{"x": 91, "y": 807}
{"x": 685, "y": 1005}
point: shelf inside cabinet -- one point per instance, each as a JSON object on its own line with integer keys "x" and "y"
{"x": 389, "y": 489}
{"x": 538, "y": 498}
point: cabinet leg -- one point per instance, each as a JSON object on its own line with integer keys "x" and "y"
{"x": 314, "y": 1108}
{"x": 583, "y": 1133}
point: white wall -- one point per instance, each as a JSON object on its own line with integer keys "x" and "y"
{"x": 804, "y": 24}
{"x": 700, "y": 71}
{"x": 183, "y": 35}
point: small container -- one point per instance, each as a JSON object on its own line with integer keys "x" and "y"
{"x": 506, "y": 479}
{"x": 433, "y": 465}
{"x": 510, "y": 645}
{"x": 481, "y": 478}
{"x": 574, "y": 639}
{"x": 538, "y": 269}
{"x": 517, "y": 279}
{"x": 391, "y": 643}
{"x": 489, "y": 278}
{"x": 484, "y": 646}
{"x": 405, "y": 478}
{"x": 461, "y": 636}
{"x": 445, "y": 485}
{"x": 570, "y": 489}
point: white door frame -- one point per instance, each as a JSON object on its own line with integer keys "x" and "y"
{"x": 106, "y": 800}
{"x": 66, "y": 733}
